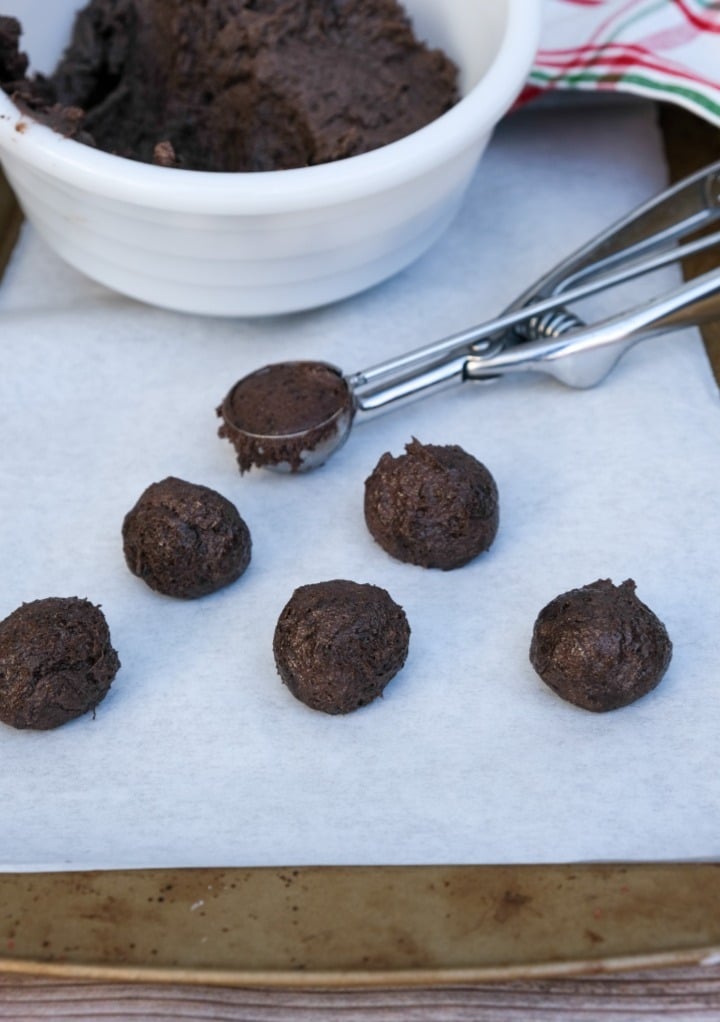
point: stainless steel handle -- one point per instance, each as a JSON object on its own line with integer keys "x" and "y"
{"x": 584, "y": 357}
{"x": 655, "y": 226}
{"x": 448, "y": 361}
{"x": 533, "y": 333}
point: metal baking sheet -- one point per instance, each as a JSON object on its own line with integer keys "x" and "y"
{"x": 343, "y": 927}
{"x": 366, "y": 926}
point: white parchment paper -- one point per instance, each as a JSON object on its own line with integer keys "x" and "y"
{"x": 199, "y": 755}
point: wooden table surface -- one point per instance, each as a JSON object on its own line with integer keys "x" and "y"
{"x": 679, "y": 993}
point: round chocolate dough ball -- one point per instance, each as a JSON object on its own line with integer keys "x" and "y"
{"x": 434, "y": 506}
{"x": 185, "y": 540}
{"x": 56, "y": 662}
{"x": 337, "y": 644}
{"x": 600, "y": 647}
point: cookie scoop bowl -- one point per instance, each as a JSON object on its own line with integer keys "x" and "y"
{"x": 254, "y": 244}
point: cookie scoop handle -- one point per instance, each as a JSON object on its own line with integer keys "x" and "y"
{"x": 584, "y": 356}
{"x": 492, "y": 349}
{"x": 651, "y": 236}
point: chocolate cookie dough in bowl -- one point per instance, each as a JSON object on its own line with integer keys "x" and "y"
{"x": 256, "y": 241}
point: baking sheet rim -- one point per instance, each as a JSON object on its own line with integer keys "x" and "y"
{"x": 375, "y": 979}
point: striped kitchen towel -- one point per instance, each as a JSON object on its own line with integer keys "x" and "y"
{"x": 665, "y": 49}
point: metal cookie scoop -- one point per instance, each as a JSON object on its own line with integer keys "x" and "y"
{"x": 293, "y": 415}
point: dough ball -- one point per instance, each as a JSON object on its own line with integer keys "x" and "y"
{"x": 337, "y": 644}
{"x": 56, "y": 662}
{"x": 600, "y": 647}
{"x": 185, "y": 540}
{"x": 433, "y": 506}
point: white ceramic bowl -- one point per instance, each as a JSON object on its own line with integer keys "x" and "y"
{"x": 273, "y": 242}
